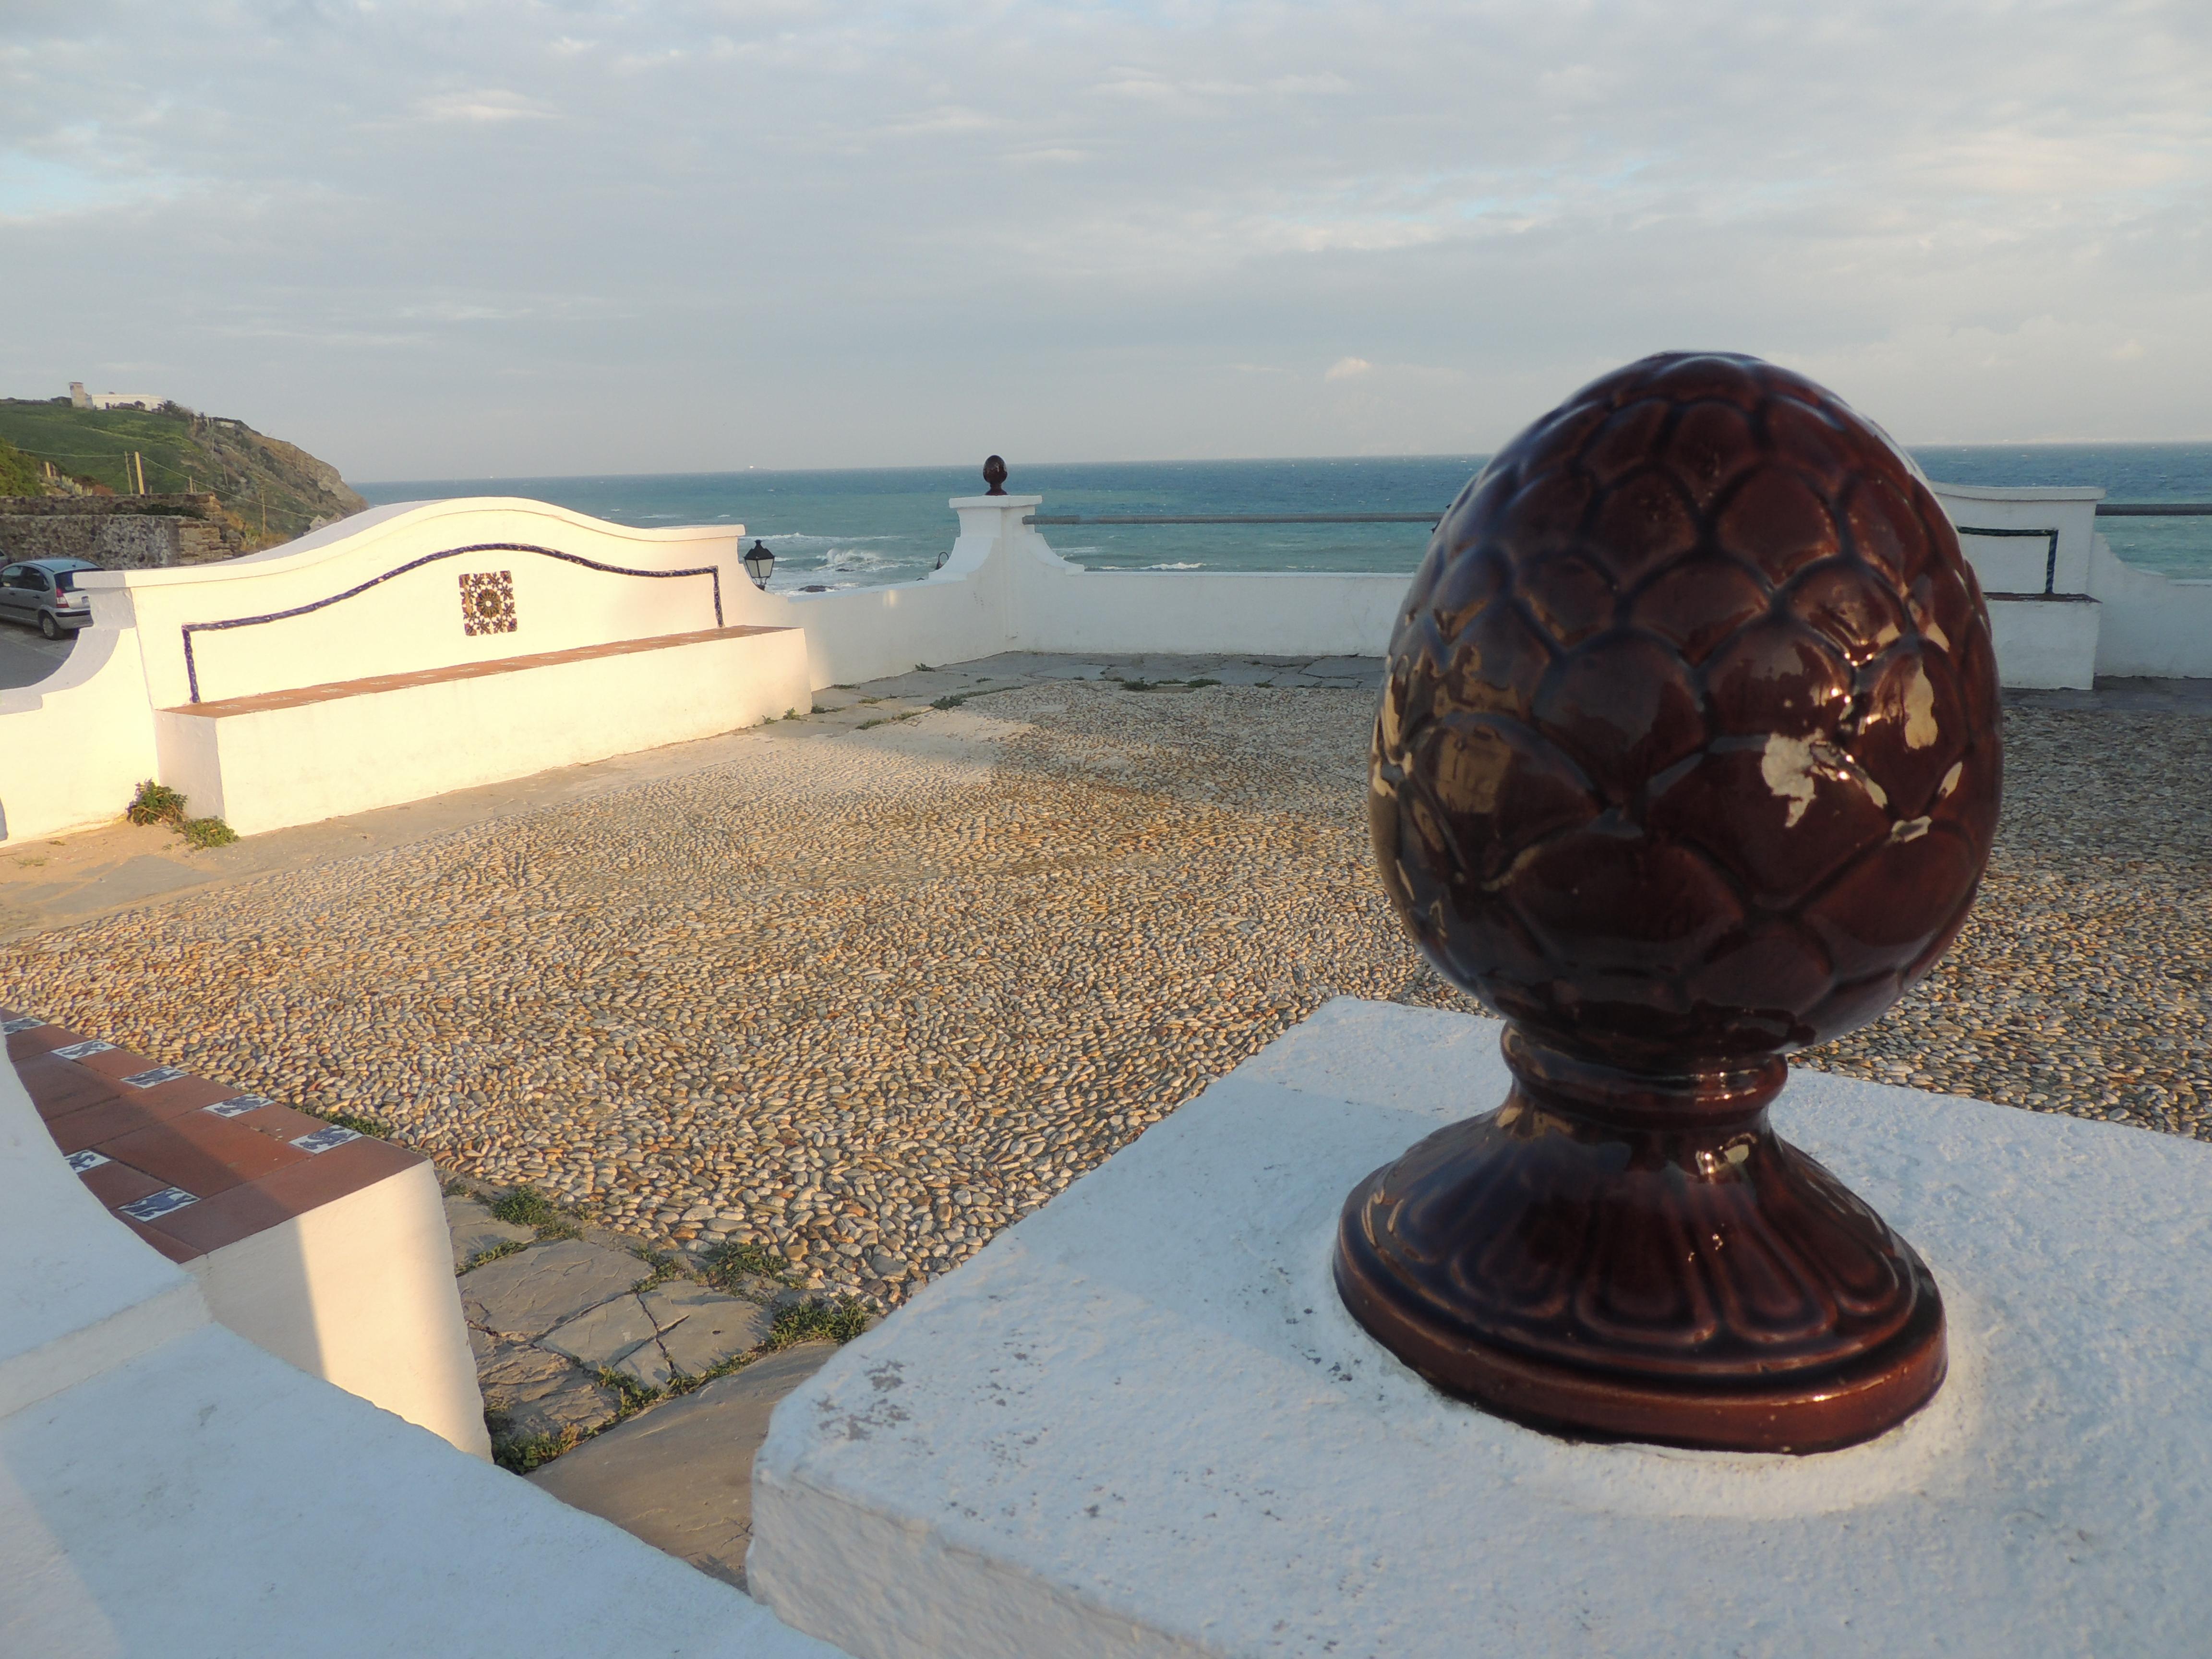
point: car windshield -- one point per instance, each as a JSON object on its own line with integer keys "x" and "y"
{"x": 65, "y": 579}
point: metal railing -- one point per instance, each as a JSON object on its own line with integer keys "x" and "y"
{"x": 2105, "y": 509}
{"x": 1234, "y": 518}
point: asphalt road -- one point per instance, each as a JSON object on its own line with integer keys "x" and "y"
{"x": 26, "y": 658}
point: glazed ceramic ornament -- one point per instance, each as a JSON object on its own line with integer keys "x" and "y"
{"x": 1688, "y": 757}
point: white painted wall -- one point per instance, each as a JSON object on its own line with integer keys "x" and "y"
{"x": 75, "y": 745}
{"x": 361, "y": 1292}
{"x": 413, "y": 620}
{"x": 2017, "y": 565}
{"x": 2046, "y": 643}
{"x": 167, "y": 1487}
{"x": 268, "y": 769}
{"x": 72, "y": 748}
{"x": 2152, "y": 624}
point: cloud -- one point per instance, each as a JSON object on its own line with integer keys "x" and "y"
{"x": 1347, "y": 368}
{"x": 481, "y": 106}
{"x": 873, "y": 234}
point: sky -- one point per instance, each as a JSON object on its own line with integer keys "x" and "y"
{"x": 437, "y": 239}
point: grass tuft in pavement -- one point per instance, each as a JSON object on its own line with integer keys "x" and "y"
{"x": 817, "y": 1322}
{"x": 520, "y": 1454}
{"x": 727, "y": 1264}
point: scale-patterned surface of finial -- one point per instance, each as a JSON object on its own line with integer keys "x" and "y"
{"x": 1689, "y": 748}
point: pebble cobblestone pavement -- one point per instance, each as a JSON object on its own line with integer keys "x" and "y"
{"x": 875, "y": 982}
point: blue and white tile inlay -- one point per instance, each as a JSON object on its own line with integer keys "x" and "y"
{"x": 155, "y": 1205}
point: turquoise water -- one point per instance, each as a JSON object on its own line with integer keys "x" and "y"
{"x": 865, "y": 526}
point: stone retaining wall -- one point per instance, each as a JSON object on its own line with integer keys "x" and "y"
{"x": 118, "y": 533}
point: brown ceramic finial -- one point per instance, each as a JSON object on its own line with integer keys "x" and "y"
{"x": 995, "y": 474}
{"x": 1688, "y": 757}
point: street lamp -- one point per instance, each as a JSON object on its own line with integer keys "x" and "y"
{"x": 758, "y": 563}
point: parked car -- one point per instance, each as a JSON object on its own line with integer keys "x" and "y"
{"x": 42, "y": 593}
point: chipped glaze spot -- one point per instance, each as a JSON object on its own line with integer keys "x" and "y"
{"x": 1920, "y": 727}
{"x": 1789, "y": 766}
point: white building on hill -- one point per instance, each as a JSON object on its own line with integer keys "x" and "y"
{"x": 82, "y": 399}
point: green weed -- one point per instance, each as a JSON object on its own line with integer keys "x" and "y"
{"x": 522, "y": 1453}
{"x": 818, "y": 1321}
{"x": 727, "y": 1263}
{"x": 663, "y": 1266}
{"x": 525, "y": 1207}
{"x": 636, "y": 1395}
{"x": 156, "y": 803}
{"x": 494, "y": 1254}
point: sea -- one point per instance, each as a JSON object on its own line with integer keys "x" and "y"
{"x": 866, "y": 527}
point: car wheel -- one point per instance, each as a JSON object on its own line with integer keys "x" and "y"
{"x": 48, "y": 626}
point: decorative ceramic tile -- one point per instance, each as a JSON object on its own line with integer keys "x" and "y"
{"x": 323, "y": 1139}
{"x": 160, "y": 1075}
{"x": 86, "y": 1159}
{"x": 9, "y": 1027}
{"x": 79, "y": 1050}
{"x": 237, "y": 1105}
{"x": 155, "y": 1205}
{"x": 488, "y": 603}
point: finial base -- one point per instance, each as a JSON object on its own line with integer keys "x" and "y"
{"x": 1617, "y": 1257}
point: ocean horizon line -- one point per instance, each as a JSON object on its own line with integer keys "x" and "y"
{"x": 1912, "y": 447}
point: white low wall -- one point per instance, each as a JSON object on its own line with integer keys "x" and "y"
{"x": 2153, "y": 625}
{"x": 2046, "y": 642}
{"x": 2023, "y": 562}
{"x": 266, "y": 769}
{"x": 167, "y": 1487}
{"x": 360, "y": 1291}
{"x": 377, "y": 594}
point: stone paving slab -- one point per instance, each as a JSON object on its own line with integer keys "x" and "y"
{"x": 648, "y": 1365}
{"x": 700, "y": 1328}
{"x": 603, "y": 1335}
{"x": 535, "y": 1393}
{"x": 475, "y": 1229}
{"x": 680, "y": 1477}
{"x": 527, "y": 1294}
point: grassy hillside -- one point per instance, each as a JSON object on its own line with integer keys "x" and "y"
{"x": 19, "y": 473}
{"x": 275, "y": 490}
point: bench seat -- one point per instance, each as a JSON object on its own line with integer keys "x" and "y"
{"x": 300, "y": 754}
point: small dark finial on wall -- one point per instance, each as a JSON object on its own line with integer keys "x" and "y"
{"x": 995, "y": 474}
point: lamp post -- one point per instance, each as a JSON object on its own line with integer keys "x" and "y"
{"x": 758, "y": 563}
